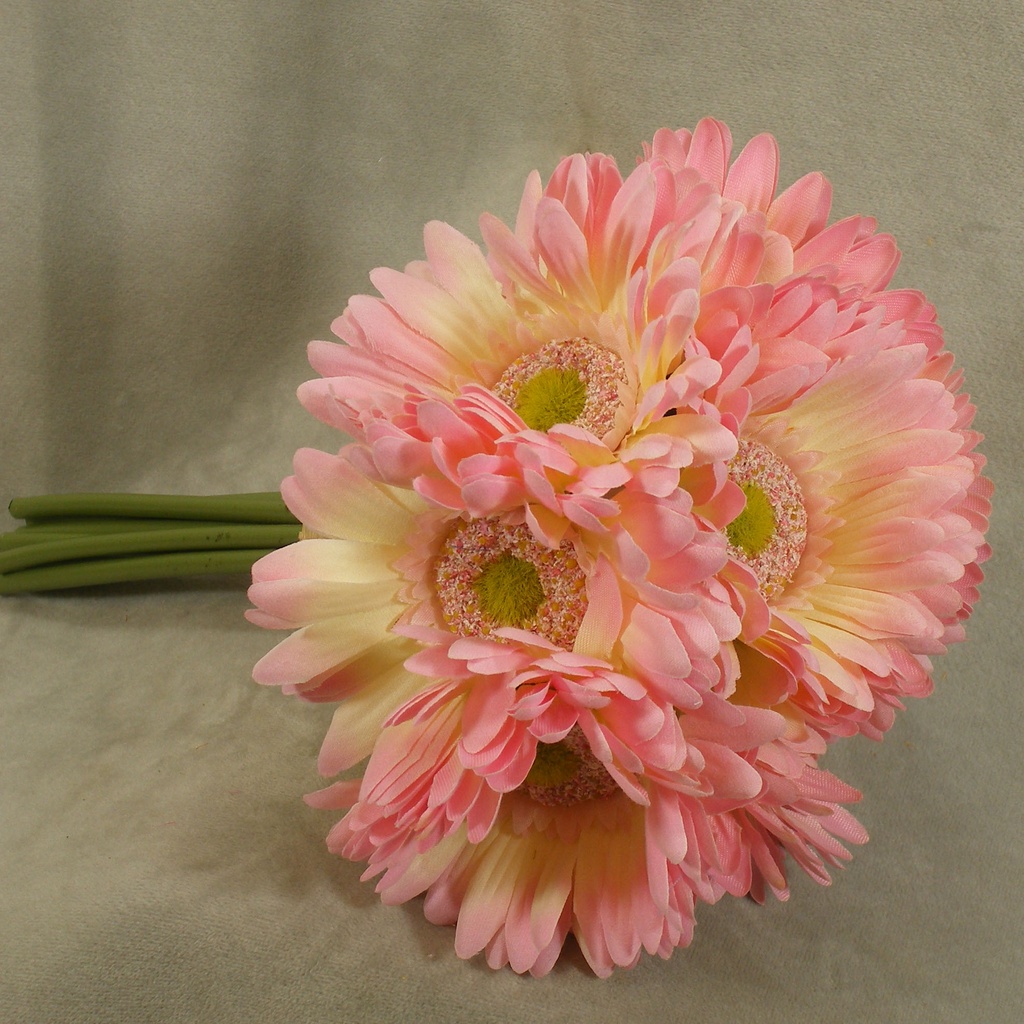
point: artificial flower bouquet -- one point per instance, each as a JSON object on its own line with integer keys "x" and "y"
{"x": 647, "y": 503}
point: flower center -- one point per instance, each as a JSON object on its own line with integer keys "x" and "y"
{"x": 568, "y": 381}
{"x": 490, "y": 575}
{"x": 752, "y": 530}
{"x": 509, "y": 590}
{"x": 566, "y": 772}
{"x": 771, "y": 531}
{"x": 551, "y": 396}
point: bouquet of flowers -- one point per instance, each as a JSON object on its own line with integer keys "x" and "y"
{"x": 647, "y": 503}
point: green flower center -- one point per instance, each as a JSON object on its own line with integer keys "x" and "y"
{"x": 491, "y": 576}
{"x": 752, "y": 530}
{"x": 771, "y": 531}
{"x": 509, "y": 590}
{"x": 566, "y": 773}
{"x": 570, "y": 380}
{"x": 551, "y": 396}
{"x": 555, "y": 764}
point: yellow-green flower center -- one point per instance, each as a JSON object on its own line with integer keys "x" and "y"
{"x": 555, "y": 764}
{"x": 752, "y": 530}
{"x": 489, "y": 575}
{"x": 551, "y": 396}
{"x": 566, "y": 772}
{"x": 770, "y": 533}
{"x": 510, "y": 591}
{"x": 571, "y": 380}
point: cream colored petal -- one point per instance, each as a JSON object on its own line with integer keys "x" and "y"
{"x": 328, "y": 561}
{"x": 359, "y": 718}
{"x": 323, "y": 646}
{"x": 874, "y": 615}
{"x": 467, "y": 324}
{"x": 331, "y": 496}
{"x": 300, "y": 602}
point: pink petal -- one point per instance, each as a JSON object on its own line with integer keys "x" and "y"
{"x": 801, "y": 211}
{"x": 754, "y": 174}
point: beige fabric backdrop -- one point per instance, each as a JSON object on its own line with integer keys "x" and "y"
{"x": 190, "y": 192}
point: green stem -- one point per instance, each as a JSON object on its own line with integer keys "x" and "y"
{"x": 129, "y": 570}
{"x": 25, "y": 536}
{"x": 264, "y": 507}
{"x": 185, "y": 538}
{"x": 46, "y": 529}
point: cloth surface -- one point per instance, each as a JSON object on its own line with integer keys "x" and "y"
{"x": 191, "y": 192}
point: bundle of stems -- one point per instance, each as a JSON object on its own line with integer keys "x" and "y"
{"x": 81, "y": 540}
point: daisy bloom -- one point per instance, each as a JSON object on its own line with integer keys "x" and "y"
{"x": 862, "y": 509}
{"x": 646, "y": 504}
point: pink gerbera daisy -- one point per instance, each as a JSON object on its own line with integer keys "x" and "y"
{"x": 572, "y": 326}
{"x": 388, "y": 593}
{"x": 861, "y": 508}
{"x": 568, "y": 852}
